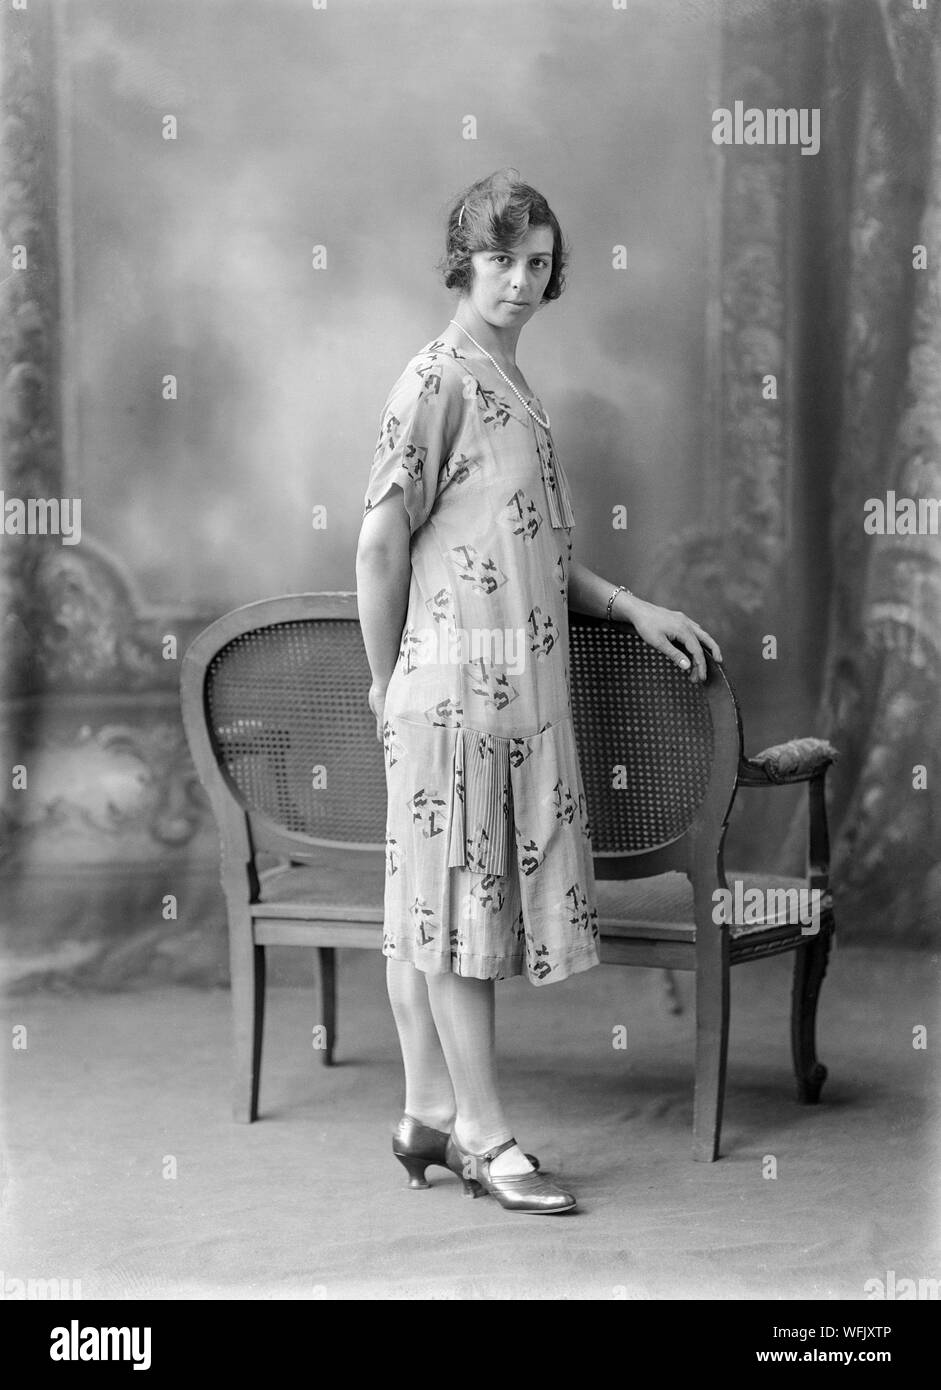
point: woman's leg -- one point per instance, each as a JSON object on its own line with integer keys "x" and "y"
{"x": 429, "y": 1096}
{"x": 465, "y": 1017}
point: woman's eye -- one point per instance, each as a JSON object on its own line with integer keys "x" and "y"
{"x": 538, "y": 262}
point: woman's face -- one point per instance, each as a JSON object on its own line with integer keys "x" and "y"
{"x": 508, "y": 285}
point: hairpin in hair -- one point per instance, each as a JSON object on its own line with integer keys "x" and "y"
{"x": 460, "y": 216}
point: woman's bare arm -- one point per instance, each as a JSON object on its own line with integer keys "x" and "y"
{"x": 383, "y": 575}
{"x": 661, "y": 627}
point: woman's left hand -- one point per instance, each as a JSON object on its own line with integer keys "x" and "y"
{"x": 664, "y": 627}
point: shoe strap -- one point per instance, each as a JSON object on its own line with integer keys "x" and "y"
{"x": 491, "y": 1154}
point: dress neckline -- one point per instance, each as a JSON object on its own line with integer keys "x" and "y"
{"x": 558, "y": 500}
{"x": 452, "y": 348}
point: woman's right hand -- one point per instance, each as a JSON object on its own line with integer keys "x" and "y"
{"x": 377, "y": 700}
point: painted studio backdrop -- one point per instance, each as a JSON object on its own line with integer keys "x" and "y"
{"x": 247, "y": 202}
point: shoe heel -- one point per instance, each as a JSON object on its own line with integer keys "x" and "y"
{"x": 472, "y": 1188}
{"x": 415, "y": 1167}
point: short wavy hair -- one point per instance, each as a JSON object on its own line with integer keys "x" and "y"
{"x": 498, "y": 212}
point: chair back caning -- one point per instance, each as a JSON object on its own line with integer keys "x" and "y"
{"x": 292, "y": 730}
{"x": 279, "y": 689}
{"x": 644, "y": 734}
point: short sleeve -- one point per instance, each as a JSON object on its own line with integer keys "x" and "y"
{"x": 414, "y": 440}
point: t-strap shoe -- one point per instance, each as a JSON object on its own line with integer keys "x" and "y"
{"x": 418, "y": 1146}
{"x": 526, "y": 1192}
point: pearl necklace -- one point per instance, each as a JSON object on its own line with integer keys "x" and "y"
{"x": 518, "y": 394}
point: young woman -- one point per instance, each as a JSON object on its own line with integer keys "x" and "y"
{"x": 464, "y": 573}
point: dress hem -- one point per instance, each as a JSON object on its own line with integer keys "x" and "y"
{"x": 500, "y": 968}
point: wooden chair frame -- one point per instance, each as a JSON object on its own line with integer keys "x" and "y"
{"x": 702, "y": 946}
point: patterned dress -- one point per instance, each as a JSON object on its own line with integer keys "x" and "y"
{"x": 489, "y": 869}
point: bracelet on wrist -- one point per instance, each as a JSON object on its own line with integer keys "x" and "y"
{"x": 620, "y": 588}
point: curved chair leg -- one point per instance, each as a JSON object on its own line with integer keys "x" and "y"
{"x": 328, "y": 999}
{"x": 810, "y": 966}
{"x": 247, "y": 971}
{"x": 712, "y": 1041}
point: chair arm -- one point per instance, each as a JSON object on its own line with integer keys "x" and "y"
{"x": 797, "y": 760}
{"x": 818, "y": 834}
{"x": 786, "y": 764}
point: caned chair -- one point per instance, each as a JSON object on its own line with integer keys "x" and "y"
{"x": 274, "y": 705}
{"x": 662, "y": 760}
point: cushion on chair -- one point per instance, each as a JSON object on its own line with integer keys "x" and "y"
{"x": 798, "y": 757}
{"x": 663, "y": 906}
{"x": 353, "y": 878}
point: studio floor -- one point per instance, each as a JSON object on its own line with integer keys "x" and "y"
{"x": 122, "y": 1168}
